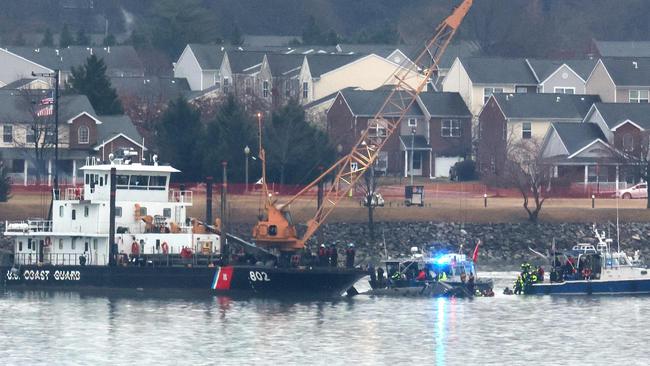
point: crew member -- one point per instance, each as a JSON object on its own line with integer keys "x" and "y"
{"x": 540, "y": 274}
{"x": 470, "y": 282}
{"x": 349, "y": 256}
{"x": 333, "y": 255}
{"x": 422, "y": 276}
{"x": 322, "y": 256}
{"x": 380, "y": 276}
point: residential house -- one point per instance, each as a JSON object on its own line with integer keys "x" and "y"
{"x": 562, "y": 76}
{"x": 285, "y": 72}
{"x": 621, "y": 80}
{"x": 247, "y": 75}
{"x": 477, "y": 78}
{"x": 432, "y": 135}
{"x": 324, "y": 74}
{"x": 620, "y": 48}
{"x": 19, "y": 62}
{"x": 27, "y": 124}
{"x": 200, "y": 65}
{"x": 510, "y": 117}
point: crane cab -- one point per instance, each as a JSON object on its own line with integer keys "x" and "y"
{"x": 276, "y": 231}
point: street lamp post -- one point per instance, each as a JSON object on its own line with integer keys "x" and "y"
{"x": 247, "y": 152}
{"x": 412, "y": 152}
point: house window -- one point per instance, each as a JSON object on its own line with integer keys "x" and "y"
{"x": 505, "y": 131}
{"x": 450, "y": 128}
{"x": 83, "y": 135}
{"x": 305, "y": 90}
{"x": 639, "y": 96}
{"x": 30, "y": 135}
{"x": 526, "y": 130}
{"x": 377, "y": 128}
{"x": 596, "y": 173}
{"x": 226, "y": 83}
{"x": 381, "y": 164}
{"x": 265, "y": 89}
{"x": 7, "y": 134}
{"x": 564, "y": 90}
{"x": 167, "y": 212}
{"x": 628, "y": 142}
{"x": 413, "y": 122}
{"x": 521, "y": 90}
{"x": 118, "y": 211}
{"x": 50, "y": 136}
{"x": 18, "y": 166}
{"x": 487, "y": 93}
{"x": 287, "y": 89}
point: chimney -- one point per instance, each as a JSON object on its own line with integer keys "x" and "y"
{"x": 636, "y": 64}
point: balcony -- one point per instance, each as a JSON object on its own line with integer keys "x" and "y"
{"x": 29, "y": 226}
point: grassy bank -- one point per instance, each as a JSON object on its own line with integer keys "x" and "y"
{"x": 245, "y": 209}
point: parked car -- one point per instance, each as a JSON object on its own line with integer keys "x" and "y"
{"x": 637, "y": 191}
{"x": 377, "y": 200}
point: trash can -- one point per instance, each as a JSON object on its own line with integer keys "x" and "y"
{"x": 414, "y": 195}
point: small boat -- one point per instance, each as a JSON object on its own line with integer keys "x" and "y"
{"x": 588, "y": 269}
{"x": 432, "y": 274}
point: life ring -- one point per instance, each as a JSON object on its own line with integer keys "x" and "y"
{"x": 135, "y": 248}
{"x": 47, "y": 242}
{"x": 165, "y": 248}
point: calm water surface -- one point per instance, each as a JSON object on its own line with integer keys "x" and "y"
{"x": 69, "y": 328}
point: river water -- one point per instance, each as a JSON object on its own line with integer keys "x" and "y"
{"x": 70, "y": 328}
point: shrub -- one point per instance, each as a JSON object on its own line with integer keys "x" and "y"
{"x": 463, "y": 171}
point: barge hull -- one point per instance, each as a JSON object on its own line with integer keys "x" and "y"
{"x": 617, "y": 287}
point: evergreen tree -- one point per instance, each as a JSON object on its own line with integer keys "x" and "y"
{"x": 48, "y": 39}
{"x": 91, "y": 80}
{"x": 294, "y": 148}
{"x": 82, "y": 38}
{"x": 5, "y": 182}
{"x": 66, "y": 38}
{"x": 178, "y": 134}
{"x": 312, "y": 34}
{"x": 226, "y": 136}
{"x": 109, "y": 40}
{"x": 236, "y": 38}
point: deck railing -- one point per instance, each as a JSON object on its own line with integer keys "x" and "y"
{"x": 180, "y": 196}
{"x": 31, "y": 226}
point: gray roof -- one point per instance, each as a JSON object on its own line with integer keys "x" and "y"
{"x": 616, "y": 113}
{"x": 118, "y": 59}
{"x": 629, "y": 71}
{"x": 418, "y": 142}
{"x": 382, "y": 50}
{"x": 320, "y": 64}
{"x": 498, "y": 70}
{"x": 457, "y": 49}
{"x": 575, "y": 136}
{"x": 545, "y": 105}
{"x": 544, "y": 68}
{"x": 623, "y": 48}
{"x": 165, "y": 88}
{"x": 445, "y": 104}
{"x": 283, "y": 64}
{"x": 269, "y": 40}
{"x": 114, "y": 125}
{"x": 15, "y": 107}
{"x": 209, "y": 56}
{"x": 18, "y": 83}
{"x": 245, "y": 61}
{"x": 368, "y": 102}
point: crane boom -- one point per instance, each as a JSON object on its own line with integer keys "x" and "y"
{"x": 386, "y": 121}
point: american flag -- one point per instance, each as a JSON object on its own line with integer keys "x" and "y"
{"x": 47, "y": 107}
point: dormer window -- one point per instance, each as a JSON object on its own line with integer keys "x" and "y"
{"x": 83, "y": 135}
{"x": 639, "y": 96}
{"x": 628, "y": 142}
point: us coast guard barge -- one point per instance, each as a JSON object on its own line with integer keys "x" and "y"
{"x": 156, "y": 245}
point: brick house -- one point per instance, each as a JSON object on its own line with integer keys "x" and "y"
{"x": 434, "y": 132}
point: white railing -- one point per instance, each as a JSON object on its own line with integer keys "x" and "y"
{"x": 29, "y": 226}
{"x": 74, "y": 194}
{"x": 180, "y": 196}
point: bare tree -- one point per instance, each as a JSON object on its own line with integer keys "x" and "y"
{"x": 371, "y": 199}
{"x": 525, "y": 170}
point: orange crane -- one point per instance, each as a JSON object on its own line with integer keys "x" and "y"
{"x": 275, "y": 229}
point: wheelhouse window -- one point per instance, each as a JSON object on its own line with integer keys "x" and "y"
{"x": 157, "y": 182}
{"x": 564, "y": 90}
{"x": 639, "y": 96}
{"x": 139, "y": 182}
{"x": 122, "y": 181}
{"x": 450, "y": 128}
{"x": 526, "y": 130}
{"x": 487, "y": 93}
{"x": 83, "y": 135}
{"x": 167, "y": 212}
{"x": 7, "y": 134}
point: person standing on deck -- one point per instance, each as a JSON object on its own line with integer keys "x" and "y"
{"x": 333, "y": 255}
{"x": 322, "y": 256}
{"x": 349, "y": 256}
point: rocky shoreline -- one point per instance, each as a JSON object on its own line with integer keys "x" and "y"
{"x": 504, "y": 245}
